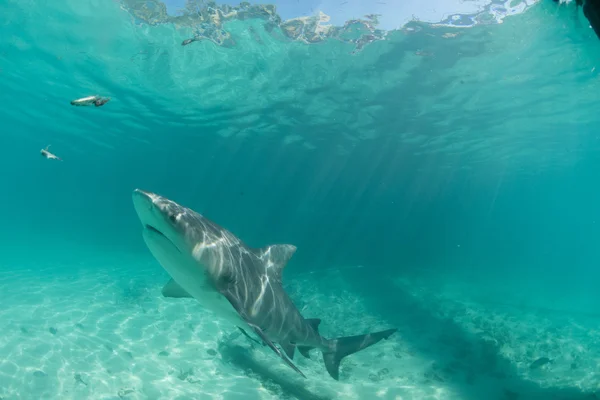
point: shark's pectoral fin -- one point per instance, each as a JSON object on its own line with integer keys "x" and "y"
{"x": 269, "y": 343}
{"x": 275, "y": 258}
{"x": 172, "y": 289}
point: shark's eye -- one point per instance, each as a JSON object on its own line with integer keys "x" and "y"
{"x": 173, "y": 218}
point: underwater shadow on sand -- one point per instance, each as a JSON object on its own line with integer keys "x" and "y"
{"x": 241, "y": 357}
{"x": 464, "y": 361}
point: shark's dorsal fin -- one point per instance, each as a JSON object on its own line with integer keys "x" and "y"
{"x": 275, "y": 257}
{"x": 172, "y": 289}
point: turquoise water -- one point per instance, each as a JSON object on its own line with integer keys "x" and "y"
{"x": 438, "y": 180}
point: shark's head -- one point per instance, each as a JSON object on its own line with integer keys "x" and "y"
{"x": 164, "y": 220}
{"x": 186, "y": 244}
{"x": 193, "y": 250}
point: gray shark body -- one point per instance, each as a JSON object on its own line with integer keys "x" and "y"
{"x": 239, "y": 284}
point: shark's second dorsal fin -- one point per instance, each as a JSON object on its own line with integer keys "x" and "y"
{"x": 275, "y": 257}
{"x": 314, "y": 323}
{"x": 172, "y": 289}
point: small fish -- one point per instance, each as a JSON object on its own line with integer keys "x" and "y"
{"x": 188, "y": 41}
{"x": 90, "y": 100}
{"x": 79, "y": 379}
{"x": 540, "y": 362}
{"x": 124, "y": 392}
{"x": 46, "y": 153}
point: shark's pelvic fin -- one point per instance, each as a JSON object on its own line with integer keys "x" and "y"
{"x": 275, "y": 257}
{"x": 172, "y": 289}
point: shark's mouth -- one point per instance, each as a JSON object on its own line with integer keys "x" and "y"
{"x": 154, "y": 230}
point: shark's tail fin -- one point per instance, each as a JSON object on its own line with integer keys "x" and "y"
{"x": 345, "y": 346}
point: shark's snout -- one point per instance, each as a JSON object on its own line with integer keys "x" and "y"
{"x": 143, "y": 204}
{"x": 141, "y": 192}
{"x": 155, "y": 214}
{"x": 141, "y": 197}
{"x": 147, "y": 209}
{"x": 156, "y": 232}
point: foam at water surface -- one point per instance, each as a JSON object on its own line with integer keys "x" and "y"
{"x": 456, "y": 78}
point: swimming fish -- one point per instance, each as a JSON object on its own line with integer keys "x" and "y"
{"x": 48, "y": 155}
{"x": 90, "y": 100}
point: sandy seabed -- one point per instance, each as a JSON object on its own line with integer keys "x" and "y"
{"x": 105, "y": 332}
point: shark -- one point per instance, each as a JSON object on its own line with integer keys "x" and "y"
{"x": 239, "y": 284}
